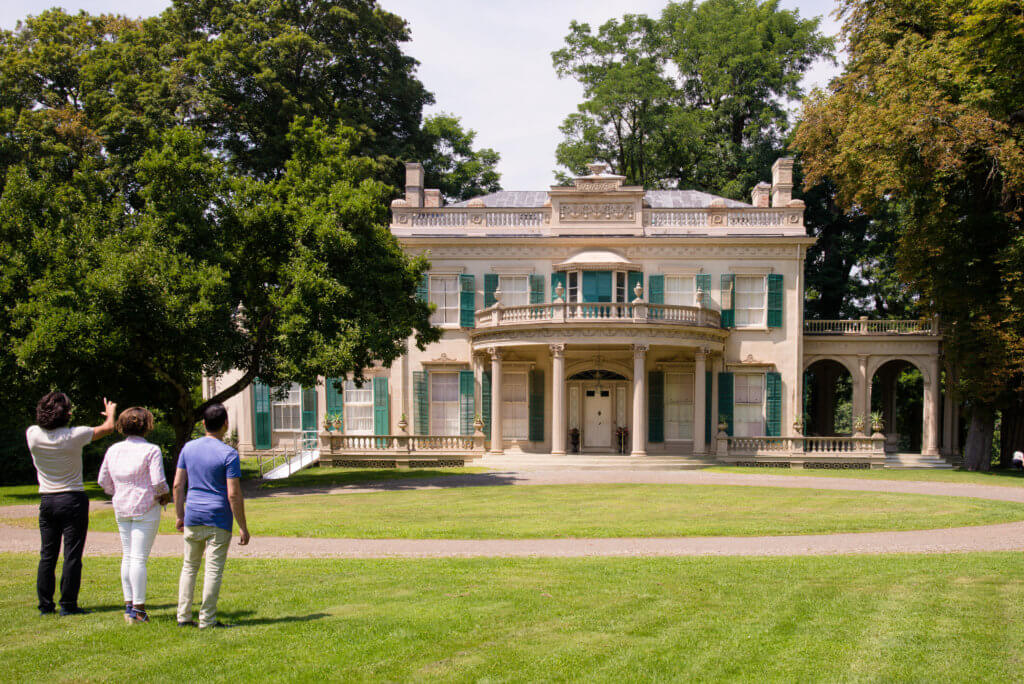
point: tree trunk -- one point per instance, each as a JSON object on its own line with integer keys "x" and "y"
{"x": 182, "y": 433}
{"x": 978, "y": 449}
{"x": 1011, "y": 433}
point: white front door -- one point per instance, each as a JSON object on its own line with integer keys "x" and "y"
{"x": 597, "y": 417}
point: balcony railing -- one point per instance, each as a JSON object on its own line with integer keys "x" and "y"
{"x": 562, "y": 312}
{"x": 864, "y": 326}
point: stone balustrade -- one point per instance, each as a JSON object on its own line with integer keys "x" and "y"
{"x": 865, "y": 449}
{"x": 402, "y": 446}
{"x": 863, "y": 326}
{"x": 563, "y": 312}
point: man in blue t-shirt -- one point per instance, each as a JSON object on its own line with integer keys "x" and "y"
{"x": 211, "y": 471}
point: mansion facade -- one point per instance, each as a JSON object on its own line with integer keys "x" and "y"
{"x": 600, "y": 317}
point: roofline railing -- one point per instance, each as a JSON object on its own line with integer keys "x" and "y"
{"x": 653, "y": 217}
{"x": 864, "y": 326}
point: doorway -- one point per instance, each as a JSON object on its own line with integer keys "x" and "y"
{"x": 598, "y": 417}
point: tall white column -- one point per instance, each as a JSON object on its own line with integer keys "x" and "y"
{"x": 860, "y": 394}
{"x": 930, "y": 439}
{"x": 716, "y": 368}
{"x": 640, "y": 399}
{"x": 497, "y": 443}
{"x": 699, "y": 404}
{"x": 559, "y": 422}
{"x": 947, "y": 417}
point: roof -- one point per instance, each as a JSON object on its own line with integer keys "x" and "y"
{"x": 659, "y": 199}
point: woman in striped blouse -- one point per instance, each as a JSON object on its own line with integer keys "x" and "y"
{"x": 133, "y": 472}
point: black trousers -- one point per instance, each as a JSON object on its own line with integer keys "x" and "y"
{"x": 61, "y": 516}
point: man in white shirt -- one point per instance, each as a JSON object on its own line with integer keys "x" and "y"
{"x": 63, "y": 506}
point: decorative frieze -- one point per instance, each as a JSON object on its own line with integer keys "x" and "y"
{"x": 569, "y": 212}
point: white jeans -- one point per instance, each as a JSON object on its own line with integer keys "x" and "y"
{"x": 137, "y": 536}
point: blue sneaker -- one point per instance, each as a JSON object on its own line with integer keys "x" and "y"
{"x": 129, "y": 613}
{"x": 140, "y": 616}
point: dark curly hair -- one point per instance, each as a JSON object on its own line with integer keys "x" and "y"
{"x": 53, "y": 411}
{"x": 135, "y": 421}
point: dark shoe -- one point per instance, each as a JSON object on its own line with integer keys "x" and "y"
{"x": 139, "y": 615}
{"x": 216, "y": 625}
{"x": 188, "y": 623}
{"x": 46, "y": 611}
{"x": 64, "y": 612}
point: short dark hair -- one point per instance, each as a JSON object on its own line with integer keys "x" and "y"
{"x": 135, "y": 421}
{"x": 53, "y": 411}
{"x": 214, "y": 417}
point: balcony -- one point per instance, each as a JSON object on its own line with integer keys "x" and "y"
{"x": 499, "y": 316}
{"x": 863, "y": 326}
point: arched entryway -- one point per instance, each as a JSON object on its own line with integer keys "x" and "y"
{"x": 598, "y": 410}
{"x": 828, "y": 399}
{"x": 897, "y": 396}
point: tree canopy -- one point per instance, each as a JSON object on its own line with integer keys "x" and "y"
{"x": 207, "y": 190}
{"x": 928, "y": 116}
{"x": 696, "y": 98}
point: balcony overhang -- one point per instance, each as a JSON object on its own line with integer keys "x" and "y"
{"x": 597, "y": 260}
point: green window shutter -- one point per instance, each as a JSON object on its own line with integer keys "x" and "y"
{"x": 773, "y": 404}
{"x": 707, "y": 407}
{"x": 421, "y": 397}
{"x": 556, "y": 280}
{"x": 655, "y": 406}
{"x": 309, "y": 408}
{"x": 597, "y": 286}
{"x": 381, "y": 415}
{"x": 536, "y": 289}
{"x": 485, "y": 401}
{"x": 774, "y": 300}
{"x": 422, "y": 292}
{"x": 335, "y": 391}
{"x": 261, "y": 438}
{"x": 633, "y": 279}
{"x": 725, "y": 400}
{"x": 728, "y": 304}
{"x": 490, "y": 285}
{"x": 703, "y": 283}
{"x": 536, "y": 406}
{"x": 656, "y": 295}
{"x": 467, "y": 301}
{"x": 466, "y": 404}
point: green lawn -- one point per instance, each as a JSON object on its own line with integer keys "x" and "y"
{"x": 857, "y": 618}
{"x": 540, "y": 511}
{"x": 29, "y": 494}
{"x": 1004, "y": 478}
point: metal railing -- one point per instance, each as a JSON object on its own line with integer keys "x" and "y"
{"x": 615, "y": 312}
{"x": 863, "y": 326}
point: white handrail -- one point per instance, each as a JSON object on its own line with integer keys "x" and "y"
{"x": 864, "y": 326}
{"x": 561, "y": 312}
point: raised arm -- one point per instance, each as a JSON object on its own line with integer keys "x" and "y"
{"x": 109, "y": 411}
{"x": 237, "y": 503}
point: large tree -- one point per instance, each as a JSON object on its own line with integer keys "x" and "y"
{"x": 929, "y": 114}
{"x": 695, "y": 99}
{"x": 156, "y": 225}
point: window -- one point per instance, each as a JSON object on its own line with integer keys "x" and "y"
{"x": 748, "y": 405}
{"x": 574, "y": 286}
{"x": 514, "y": 395}
{"x": 750, "y": 301}
{"x": 679, "y": 405}
{"x": 444, "y": 292}
{"x": 515, "y": 290}
{"x": 444, "y": 403}
{"x": 620, "y": 287}
{"x": 679, "y": 290}
{"x": 286, "y": 414}
{"x": 358, "y": 408}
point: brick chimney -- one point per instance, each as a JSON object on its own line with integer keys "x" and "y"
{"x": 761, "y": 195}
{"x": 432, "y": 199}
{"x": 782, "y": 182}
{"x": 414, "y": 184}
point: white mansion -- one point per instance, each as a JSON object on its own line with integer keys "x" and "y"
{"x": 600, "y": 317}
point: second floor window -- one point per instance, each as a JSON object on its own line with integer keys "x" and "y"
{"x": 679, "y": 290}
{"x": 515, "y": 290}
{"x": 750, "y": 301}
{"x": 358, "y": 408}
{"x": 444, "y": 293}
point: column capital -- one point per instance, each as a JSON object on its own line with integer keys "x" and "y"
{"x": 640, "y": 349}
{"x": 557, "y": 349}
{"x": 701, "y": 353}
{"x": 495, "y": 353}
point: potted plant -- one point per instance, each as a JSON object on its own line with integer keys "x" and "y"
{"x": 403, "y": 422}
{"x": 574, "y": 440}
{"x": 877, "y": 422}
{"x": 798, "y": 426}
{"x": 478, "y": 423}
{"x": 858, "y": 425}
{"x": 622, "y": 435}
{"x": 723, "y": 423}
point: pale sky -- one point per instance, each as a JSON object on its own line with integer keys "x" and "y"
{"x": 486, "y": 61}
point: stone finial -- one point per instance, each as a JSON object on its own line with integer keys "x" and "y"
{"x": 414, "y": 184}
{"x": 782, "y": 181}
{"x": 559, "y": 292}
{"x": 497, "y": 295}
{"x": 760, "y": 196}
{"x": 718, "y": 203}
{"x": 638, "y": 290}
{"x": 597, "y": 168}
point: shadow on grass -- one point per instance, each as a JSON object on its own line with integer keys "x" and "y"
{"x": 375, "y": 480}
{"x": 241, "y": 619}
{"x": 119, "y": 607}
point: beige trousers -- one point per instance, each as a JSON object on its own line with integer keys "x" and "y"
{"x": 214, "y": 541}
